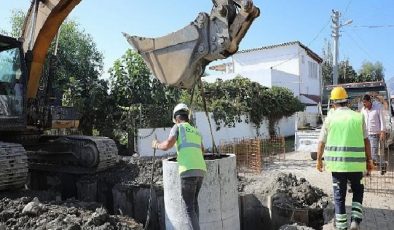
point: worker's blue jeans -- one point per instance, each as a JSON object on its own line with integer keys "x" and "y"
{"x": 340, "y": 180}
{"x": 374, "y": 141}
{"x": 190, "y": 188}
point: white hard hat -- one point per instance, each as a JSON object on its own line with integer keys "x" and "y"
{"x": 180, "y": 107}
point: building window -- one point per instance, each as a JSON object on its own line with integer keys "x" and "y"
{"x": 312, "y": 69}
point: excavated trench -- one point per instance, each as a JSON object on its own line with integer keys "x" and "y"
{"x": 122, "y": 190}
{"x": 283, "y": 202}
{"x": 73, "y": 202}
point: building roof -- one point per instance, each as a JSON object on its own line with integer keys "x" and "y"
{"x": 312, "y": 54}
{"x": 314, "y": 98}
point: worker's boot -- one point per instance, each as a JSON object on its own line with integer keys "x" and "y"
{"x": 354, "y": 225}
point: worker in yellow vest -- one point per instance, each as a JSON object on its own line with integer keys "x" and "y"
{"x": 347, "y": 154}
{"x": 190, "y": 159}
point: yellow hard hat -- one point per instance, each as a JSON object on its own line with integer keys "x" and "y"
{"x": 338, "y": 94}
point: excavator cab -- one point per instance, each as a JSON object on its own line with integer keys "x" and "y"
{"x": 12, "y": 84}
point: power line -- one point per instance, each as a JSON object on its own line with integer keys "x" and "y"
{"x": 358, "y": 45}
{"x": 373, "y": 26}
{"x": 308, "y": 44}
{"x": 347, "y": 7}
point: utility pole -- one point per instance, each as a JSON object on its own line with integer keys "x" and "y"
{"x": 335, "y": 34}
{"x": 336, "y": 25}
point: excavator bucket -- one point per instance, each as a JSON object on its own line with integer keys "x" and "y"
{"x": 179, "y": 59}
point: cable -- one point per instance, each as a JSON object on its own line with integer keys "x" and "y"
{"x": 151, "y": 189}
{"x": 358, "y": 45}
{"x": 299, "y": 52}
{"x": 214, "y": 148}
{"x": 347, "y": 7}
{"x": 373, "y": 26}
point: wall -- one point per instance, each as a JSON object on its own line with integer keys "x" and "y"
{"x": 241, "y": 130}
{"x": 145, "y": 138}
{"x": 286, "y": 66}
{"x": 309, "y": 85}
{"x": 283, "y": 79}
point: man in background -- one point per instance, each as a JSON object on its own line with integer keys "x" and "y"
{"x": 375, "y": 124}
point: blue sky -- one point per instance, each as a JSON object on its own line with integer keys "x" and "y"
{"x": 307, "y": 21}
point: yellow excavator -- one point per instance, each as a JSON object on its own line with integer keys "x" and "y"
{"x": 178, "y": 59}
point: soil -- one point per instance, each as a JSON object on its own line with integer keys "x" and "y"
{"x": 295, "y": 227}
{"x": 30, "y": 213}
{"x": 132, "y": 171}
{"x": 289, "y": 192}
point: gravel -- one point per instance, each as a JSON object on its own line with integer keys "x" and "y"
{"x": 295, "y": 227}
{"x": 30, "y": 213}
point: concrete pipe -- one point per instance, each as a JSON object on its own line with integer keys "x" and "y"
{"x": 218, "y": 198}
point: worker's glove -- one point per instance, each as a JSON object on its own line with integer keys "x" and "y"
{"x": 155, "y": 143}
{"x": 319, "y": 165}
{"x": 370, "y": 166}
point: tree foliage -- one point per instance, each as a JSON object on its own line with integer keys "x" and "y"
{"x": 346, "y": 72}
{"x": 327, "y": 69}
{"x": 371, "y": 72}
{"x": 132, "y": 85}
{"x": 77, "y": 69}
{"x": 231, "y": 100}
{"x": 141, "y": 100}
{"x": 16, "y": 20}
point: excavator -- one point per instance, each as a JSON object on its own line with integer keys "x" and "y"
{"x": 177, "y": 59}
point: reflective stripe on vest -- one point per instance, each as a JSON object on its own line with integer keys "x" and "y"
{"x": 184, "y": 143}
{"x": 344, "y": 150}
{"x": 188, "y": 147}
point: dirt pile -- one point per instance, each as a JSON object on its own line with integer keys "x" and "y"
{"x": 289, "y": 192}
{"x": 132, "y": 171}
{"x": 294, "y": 227}
{"x": 29, "y": 213}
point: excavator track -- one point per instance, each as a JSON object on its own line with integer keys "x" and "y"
{"x": 73, "y": 154}
{"x": 13, "y": 166}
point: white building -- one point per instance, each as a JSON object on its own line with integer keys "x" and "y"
{"x": 291, "y": 65}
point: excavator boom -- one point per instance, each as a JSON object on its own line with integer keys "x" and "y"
{"x": 40, "y": 27}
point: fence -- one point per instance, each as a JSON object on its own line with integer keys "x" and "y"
{"x": 382, "y": 182}
{"x": 254, "y": 153}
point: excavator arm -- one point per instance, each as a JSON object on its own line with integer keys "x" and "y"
{"x": 178, "y": 59}
{"x": 40, "y": 27}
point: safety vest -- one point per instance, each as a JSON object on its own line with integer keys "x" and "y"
{"x": 188, "y": 147}
{"x": 344, "y": 150}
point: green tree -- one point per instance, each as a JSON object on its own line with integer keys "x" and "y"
{"x": 371, "y": 72}
{"x": 327, "y": 69}
{"x": 280, "y": 103}
{"x": 231, "y": 100}
{"x": 78, "y": 66}
{"x": 346, "y": 73}
{"x": 16, "y": 20}
{"x": 141, "y": 99}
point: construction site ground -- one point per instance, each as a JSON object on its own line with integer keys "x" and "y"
{"x": 378, "y": 198}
